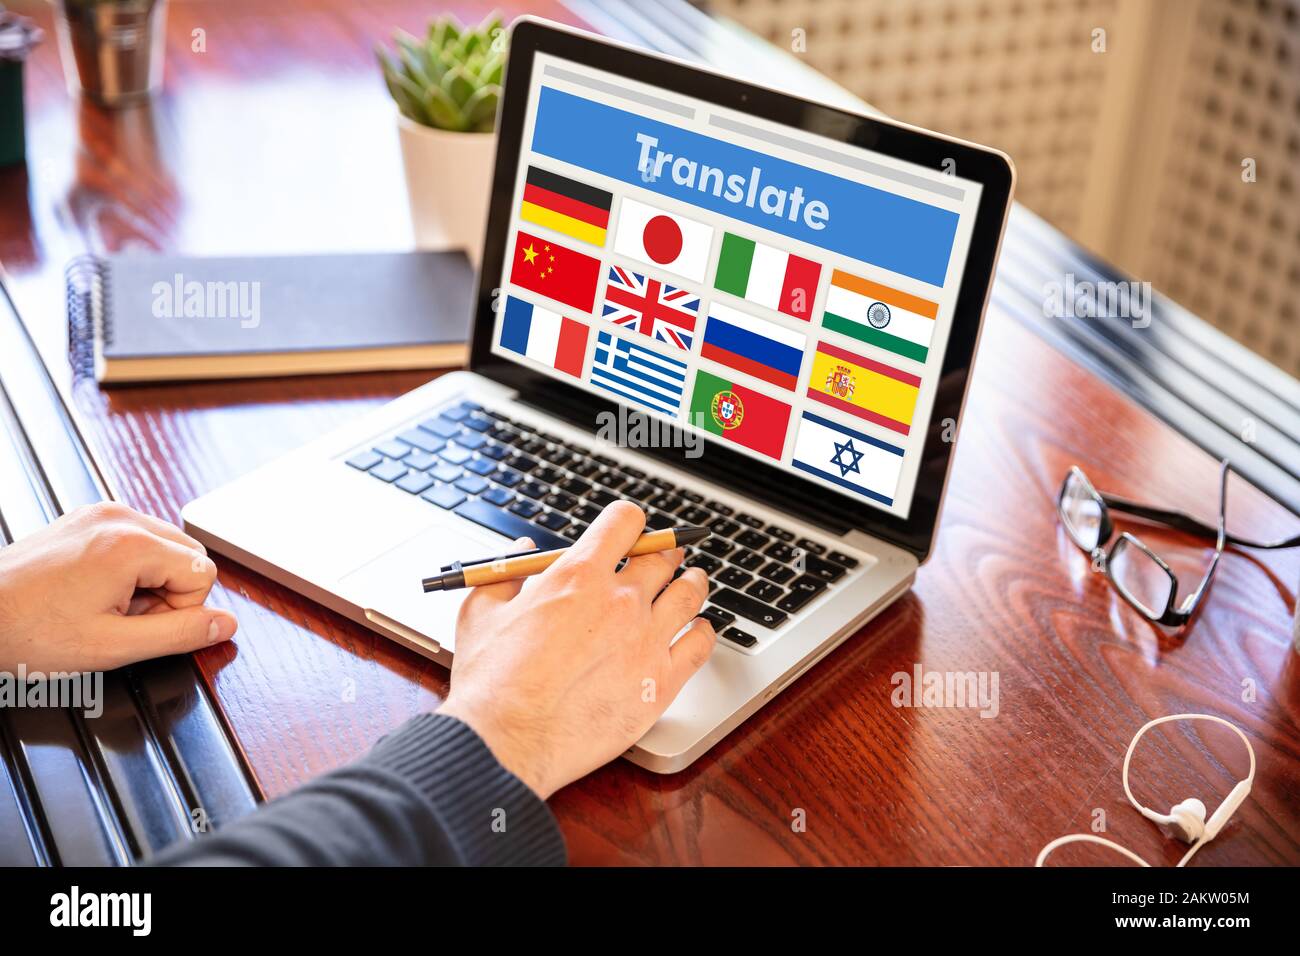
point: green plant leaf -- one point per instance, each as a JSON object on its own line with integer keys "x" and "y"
{"x": 481, "y": 108}
{"x": 458, "y": 85}
{"x": 443, "y": 110}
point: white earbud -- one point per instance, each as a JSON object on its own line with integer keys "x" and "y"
{"x": 1184, "y": 821}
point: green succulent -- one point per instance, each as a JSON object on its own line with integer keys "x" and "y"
{"x": 451, "y": 79}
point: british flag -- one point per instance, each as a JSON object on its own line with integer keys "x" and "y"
{"x": 662, "y": 311}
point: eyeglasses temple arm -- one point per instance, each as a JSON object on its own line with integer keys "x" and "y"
{"x": 1185, "y": 522}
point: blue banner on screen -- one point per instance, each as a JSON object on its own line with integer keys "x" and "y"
{"x": 893, "y": 232}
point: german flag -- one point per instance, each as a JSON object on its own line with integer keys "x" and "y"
{"x": 573, "y": 208}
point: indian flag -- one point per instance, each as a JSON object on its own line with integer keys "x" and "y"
{"x": 767, "y": 276}
{"x": 878, "y": 315}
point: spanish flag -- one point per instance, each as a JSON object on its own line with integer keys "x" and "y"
{"x": 870, "y": 390}
{"x": 565, "y": 205}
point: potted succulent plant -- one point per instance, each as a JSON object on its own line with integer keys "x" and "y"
{"x": 447, "y": 86}
{"x": 112, "y": 50}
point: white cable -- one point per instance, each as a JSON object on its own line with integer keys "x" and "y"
{"x": 1201, "y": 839}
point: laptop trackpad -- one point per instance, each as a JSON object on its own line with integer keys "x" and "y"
{"x": 390, "y": 583}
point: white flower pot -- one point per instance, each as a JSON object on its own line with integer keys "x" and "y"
{"x": 448, "y": 177}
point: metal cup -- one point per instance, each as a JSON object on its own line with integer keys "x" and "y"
{"x": 112, "y": 50}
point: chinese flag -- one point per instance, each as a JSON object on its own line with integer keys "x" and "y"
{"x": 555, "y": 271}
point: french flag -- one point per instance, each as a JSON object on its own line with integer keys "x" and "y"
{"x": 546, "y": 337}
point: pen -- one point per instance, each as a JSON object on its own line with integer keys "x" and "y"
{"x": 470, "y": 574}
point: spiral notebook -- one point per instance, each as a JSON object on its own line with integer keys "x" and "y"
{"x": 145, "y": 318}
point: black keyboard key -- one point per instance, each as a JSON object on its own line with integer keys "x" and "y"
{"x": 472, "y": 485}
{"x": 525, "y": 509}
{"x": 812, "y": 547}
{"x": 748, "y": 607}
{"x": 748, "y": 560}
{"x": 725, "y": 510}
{"x": 718, "y": 547}
{"x": 704, "y": 562}
{"x": 440, "y": 427}
{"x": 723, "y": 527}
{"x": 560, "y": 501}
{"x": 510, "y": 525}
{"x": 657, "y": 520}
{"x": 802, "y": 590}
{"x": 533, "y": 446}
{"x": 507, "y": 477}
{"x": 734, "y": 577}
{"x": 388, "y": 470}
{"x": 548, "y": 475}
{"x": 600, "y": 497}
{"x": 610, "y": 479}
{"x": 553, "y": 520}
{"x": 420, "y": 460}
{"x": 575, "y": 485}
{"x": 445, "y": 496}
{"x": 695, "y": 515}
{"x": 498, "y": 496}
{"x": 780, "y": 551}
{"x": 481, "y": 466}
{"x": 586, "y": 513}
{"x": 819, "y": 568}
{"x": 415, "y": 482}
{"x": 586, "y": 468}
{"x": 754, "y": 540}
{"x": 393, "y": 448}
{"x": 778, "y": 572}
{"x": 840, "y": 558}
{"x": 574, "y": 531}
{"x": 633, "y": 472}
{"x": 534, "y": 489}
{"x": 717, "y": 617}
{"x": 522, "y": 463}
{"x": 365, "y": 460}
{"x": 693, "y": 496}
{"x": 666, "y": 501}
{"x": 765, "y": 591}
{"x": 749, "y": 520}
{"x": 737, "y": 636}
{"x": 494, "y": 451}
{"x": 779, "y": 533}
{"x": 605, "y": 460}
{"x": 641, "y": 491}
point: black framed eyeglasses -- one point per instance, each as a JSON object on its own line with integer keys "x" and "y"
{"x": 1140, "y": 575}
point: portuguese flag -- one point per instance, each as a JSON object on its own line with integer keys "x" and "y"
{"x": 739, "y": 414}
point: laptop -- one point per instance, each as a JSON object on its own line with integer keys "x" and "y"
{"x": 732, "y": 306}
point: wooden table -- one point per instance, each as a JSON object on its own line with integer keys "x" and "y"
{"x": 280, "y": 138}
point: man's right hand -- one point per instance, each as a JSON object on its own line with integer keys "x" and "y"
{"x": 562, "y": 672}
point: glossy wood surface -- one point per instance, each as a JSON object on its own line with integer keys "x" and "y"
{"x": 280, "y": 138}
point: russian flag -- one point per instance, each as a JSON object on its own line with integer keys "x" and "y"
{"x": 754, "y": 346}
{"x": 544, "y": 336}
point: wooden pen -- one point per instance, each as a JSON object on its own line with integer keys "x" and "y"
{"x": 470, "y": 574}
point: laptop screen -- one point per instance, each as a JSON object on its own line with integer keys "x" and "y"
{"x": 760, "y": 286}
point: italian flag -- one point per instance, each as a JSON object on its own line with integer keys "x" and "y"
{"x": 739, "y": 414}
{"x": 767, "y": 276}
{"x": 873, "y": 313}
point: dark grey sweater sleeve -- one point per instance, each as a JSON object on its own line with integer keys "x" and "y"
{"x": 430, "y": 793}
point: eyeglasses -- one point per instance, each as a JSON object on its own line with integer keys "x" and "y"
{"x": 1141, "y": 576}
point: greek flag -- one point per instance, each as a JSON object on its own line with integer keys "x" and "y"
{"x": 636, "y": 374}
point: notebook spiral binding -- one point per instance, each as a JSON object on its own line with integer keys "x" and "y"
{"x": 89, "y": 311}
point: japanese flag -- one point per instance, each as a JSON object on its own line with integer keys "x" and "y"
{"x": 666, "y": 240}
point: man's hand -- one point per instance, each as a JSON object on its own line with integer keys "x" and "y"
{"x": 561, "y": 673}
{"x": 102, "y": 587}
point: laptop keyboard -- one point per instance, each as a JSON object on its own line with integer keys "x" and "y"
{"x": 508, "y": 476}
